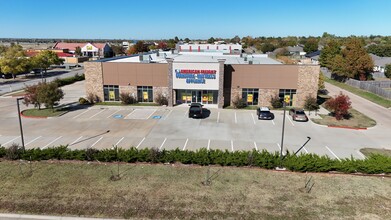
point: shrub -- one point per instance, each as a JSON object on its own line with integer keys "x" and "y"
{"x": 92, "y": 98}
{"x": 83, "y": 101}
{"x": 238, "y": 102}
{"x": 161, "y": 99}
{"x": 340, "y": 106}
{"x": 13, "y": 152}
{"x": 311, "y": 103}
{"x": 127, "y": 99}
{"x": 69, "y": 80}
{"x": 387, "y": 71}
{"x": 275, "y": 102}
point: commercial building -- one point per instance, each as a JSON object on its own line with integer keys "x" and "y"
{"x": 221, "y": 48}
{"x": 94, "y": 50}
{"x": 206, "y": 77}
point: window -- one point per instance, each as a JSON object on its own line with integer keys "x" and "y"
{"x": 250, "y": 96}
{"x": 144, "y": 94}
{"x": 111, "y": 93}
{"x": 284, "y": 92}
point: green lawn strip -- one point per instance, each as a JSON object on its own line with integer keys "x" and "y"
{"x": 357, "y": 120}
{"x": 368, "y": 151}
{"x": 44, "y": 112}
{"x": 120, "y": 104}
{"x": 362, "y": 93}
{"x": 176, "y": 192}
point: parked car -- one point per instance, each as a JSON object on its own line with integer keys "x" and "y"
{"x": 195, "y": 110}
{"x": 264, "y": 113}
{"x": 298, "y": 115}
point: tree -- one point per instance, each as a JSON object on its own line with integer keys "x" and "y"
{"x": 45, "y": 59}
{"x": 132, "y": 50}
{"x": 330, "y": 50}
{"x": 49, "y": 94}
{"x": 267, "y": 47}
{"x": 380, "y": 50}
{"x": 162, "y": 45}
{"x": 340, "y": 106}
{"x": 321, "y": 82}
{"x": 176, "y": 39}
{"x": 358, "y": 63}
{"x": 78, "y": 51}
{"x": 311, "y": 103}
{"x": 211, "y": 40}
{"x": 311, "y": 45}
{"x": 235, "y": 40}
{"x": 14, "y": 61}
{"x": 3, "y": 49}
{"x": 118, "y": 49}
{"x": 187, "y": 40}
{"x": 387, "y": 71}
{"x": 31, "y": 96}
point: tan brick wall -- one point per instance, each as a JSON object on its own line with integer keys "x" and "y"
{"x": 132, "y": 90}
{"x": 265, "y": 96}
{"x": 307, "y": 84}
{"x": 94, "y": 78}
{"x": 235, "y": 93}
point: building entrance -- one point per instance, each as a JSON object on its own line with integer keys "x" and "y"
{"x": 200, "y": 96}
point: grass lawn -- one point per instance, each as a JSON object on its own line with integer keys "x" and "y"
{"x": 44, "y": 112}
{"x": 357, "y": 120}
{"x": 362, "y": 93}
{"x": 369, "y": 151}
{"x": 120, "y": 104}
{"x": 176, "y": 192}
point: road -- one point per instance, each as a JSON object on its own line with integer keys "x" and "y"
{"x": 9, "y": 87}
{"x": 381, "y": 132}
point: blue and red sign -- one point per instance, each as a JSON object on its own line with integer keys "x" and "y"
{"x": 195, "y": 76}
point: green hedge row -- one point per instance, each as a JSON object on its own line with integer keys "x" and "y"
{"x": 264, "y": 159}
{"x": 69, "y": 80}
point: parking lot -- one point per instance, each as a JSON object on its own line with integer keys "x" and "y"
{"x": 170, "y": 128}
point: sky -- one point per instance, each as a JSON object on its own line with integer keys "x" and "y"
{"x": 195, "y": 19}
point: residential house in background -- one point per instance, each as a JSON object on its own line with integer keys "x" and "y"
{"x": 92, "y": 50}
{"x": 379, "y": 65}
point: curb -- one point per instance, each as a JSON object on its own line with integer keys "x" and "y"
{"x": 35, "y": 117}
{"x": 346, "y": 127}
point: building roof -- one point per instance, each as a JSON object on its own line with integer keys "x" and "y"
{"x": 380, "y": 61}
{"x": 313, "y": 54}
{"x": 295, "y": 49}
{"x": 72, "y": 46}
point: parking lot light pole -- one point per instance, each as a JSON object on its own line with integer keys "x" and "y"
{"x": 282, "y": 135}
{"x": 20, "y": 123}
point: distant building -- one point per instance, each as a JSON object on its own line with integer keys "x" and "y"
{"x": 296, "y": 51}
{"x": 221, "y": 48}
{"x": 93, "y": 50}
{"x": 380, "y": 63}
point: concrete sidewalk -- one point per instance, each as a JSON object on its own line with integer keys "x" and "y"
{"x": 4, "y": 216}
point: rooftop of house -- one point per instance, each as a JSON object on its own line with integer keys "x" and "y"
{"x": 380, "y": 61}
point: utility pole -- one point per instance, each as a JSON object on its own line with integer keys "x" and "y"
{"x": 20, "y": 123}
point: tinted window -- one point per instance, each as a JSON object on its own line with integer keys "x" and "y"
{"x": 300, "y": 113}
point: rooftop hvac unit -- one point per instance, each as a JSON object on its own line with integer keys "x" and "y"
{"x": 141, "y": 57}
{"x": 250, "y": 62}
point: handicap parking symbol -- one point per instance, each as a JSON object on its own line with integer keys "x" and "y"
{"x": 157, "y": 117}
{"x": 118, "y": 116}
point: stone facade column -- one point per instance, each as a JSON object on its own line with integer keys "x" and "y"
{"x": 220, "y": 96}
{"x": 307, "y": 84}
{"x": 170, "y": 96}
{"x": 93, "y": 73}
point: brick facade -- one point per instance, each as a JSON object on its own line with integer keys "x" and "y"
{"x": 94, "y": 79}
{"x": 220, "y": 96}
{"x": 132, "y": 90}
{"x": 235, "y": 93}
{"x": 307, "y": 84}
{"x": 265, "y": 96}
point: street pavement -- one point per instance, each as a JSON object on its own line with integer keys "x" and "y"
{"x": 9, "y": 86}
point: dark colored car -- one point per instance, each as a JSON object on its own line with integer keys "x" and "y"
{"x": 298, "y": 115}
{"x": 195, "y": 110}
{"x": 264, "y": 113}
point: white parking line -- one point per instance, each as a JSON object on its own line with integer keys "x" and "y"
{"x": 11, "y": 140}
{"x": 114, "y": 113}
{"x": 82, "y": 113}
{"x": 76, "y": 140}
{"x": 186, "y": 112}
{"x": 184, "y": 146}
{"x": 97, "y": 113}
{"x": 167, "y": 115}
{"x": 208, "y": 144}
{"x": 96, "y": 142}
{"x": 140, "y": 142}
{"x": 289, "y": 118}
{"x": 255, "y": 146}
{"x": 279, "y": 147}
{"x": 218, "y": 117}
{"x": 151, "y": 114}
{"x": 273, "y": 122}
{"x": 306, "y": 151}
{"x": 236, "y": 121}
{"x": 361, "y": 154}
{"x": 162, "y": 143}
{"x": 333, "y": 153}
{"x": 130, "y": 113}
{"x": 253, "y": 118}
{"x": 33, "y": 140}
{"x": 232, "y": 145}
{"x": 116, "y": 144}
{"x": 51, "y": 142}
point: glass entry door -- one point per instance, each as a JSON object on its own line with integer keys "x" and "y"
{"x": 196, "y": 96}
